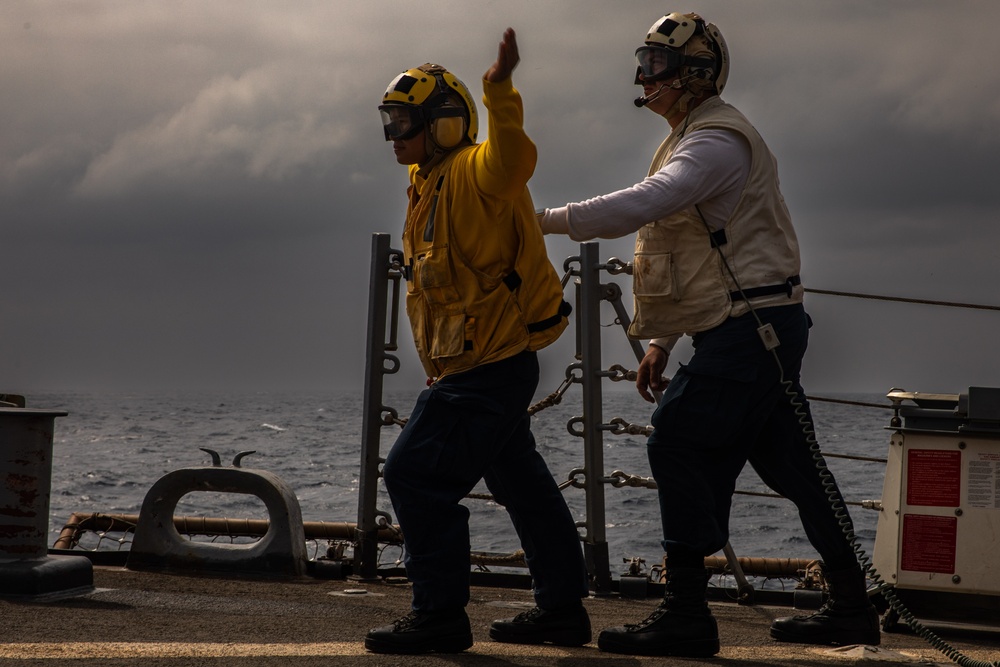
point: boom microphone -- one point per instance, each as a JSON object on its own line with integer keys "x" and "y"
{"x": 640, "y": 102}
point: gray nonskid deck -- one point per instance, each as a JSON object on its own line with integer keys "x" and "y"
{"x": 150, "y": 619}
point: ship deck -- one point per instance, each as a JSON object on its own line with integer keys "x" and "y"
{"x": 157, "y": 619}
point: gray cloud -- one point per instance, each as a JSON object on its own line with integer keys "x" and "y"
{"x": 188, "y": 191}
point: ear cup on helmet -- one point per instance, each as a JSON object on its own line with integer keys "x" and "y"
{"x": 445, "y": 105}
{"x": 698, "y": 40}
{"x": 448, "y": 132}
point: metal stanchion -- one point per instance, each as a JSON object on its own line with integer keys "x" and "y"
{"x": 589, "y": 327}
{"x": 376, "y": 355}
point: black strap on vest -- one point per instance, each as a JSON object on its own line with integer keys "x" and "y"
{"x": 718, "y": 237}
{"x": 564, "y": 310}
{"x": 429, "y": 228}
{"x": 767, "y": 290}
{"x": 512, "y": 280}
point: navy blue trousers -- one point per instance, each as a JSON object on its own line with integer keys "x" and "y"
{"x": 728, "y": 407}
{"x": 466, "y": 427}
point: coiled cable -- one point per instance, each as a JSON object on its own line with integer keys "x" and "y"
{"x": 834, "y": 497}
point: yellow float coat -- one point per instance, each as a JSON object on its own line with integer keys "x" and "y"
{"x": 481, "y": 287}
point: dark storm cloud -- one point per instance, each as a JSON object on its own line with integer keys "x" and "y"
{"x": 188, "y": 191}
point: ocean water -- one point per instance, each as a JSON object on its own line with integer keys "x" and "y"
{"x": 111, "y": 448}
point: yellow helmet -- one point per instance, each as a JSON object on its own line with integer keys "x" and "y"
{"x": 429, "y": 96}
{"x": 685, "y": 45}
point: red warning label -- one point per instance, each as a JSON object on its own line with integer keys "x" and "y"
{"x": 929, "y": 543}
{"x": 933, "y": 477}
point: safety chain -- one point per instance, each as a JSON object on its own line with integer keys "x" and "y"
{"x": 383, "y": 520}
{"x": 620, "y": 478}
{"x": 489, "y": 496}
{"x": 617, "y": 479}
{"x": 396, "y": 262}
{"x": 616, "y": 266}
{"x": 621, "y": 427}
{"x": 556, "y": 397}
{"x": 617, "y": 373}
{"x": 391, "y": 416}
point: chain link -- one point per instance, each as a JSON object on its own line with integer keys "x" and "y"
{"x": 619, "y": 426}
{"x": 555, "y": 397}
{"x": 618, "y": 373}
{"x": 391, "y": 416}
{"x": 617, "y": 479}
{"x": 616, "y": 266}
{"x": 620, "y": 478}
{"x": 572, "y": 478}
{"x": 396, "y": 261}
{"x": 569, "y": 271}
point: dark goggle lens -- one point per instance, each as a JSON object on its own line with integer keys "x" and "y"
{"x": 657, "y": 62}
{"x": 400, "y": 122}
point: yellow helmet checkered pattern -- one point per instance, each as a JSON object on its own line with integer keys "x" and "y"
{"x": 431, "y": 92}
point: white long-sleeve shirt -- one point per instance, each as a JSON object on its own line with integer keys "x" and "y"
{"x": 708, "y": 168}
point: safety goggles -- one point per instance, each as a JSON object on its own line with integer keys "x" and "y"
{"x": 400, "y": 121}
{"x": 657, "y": 62}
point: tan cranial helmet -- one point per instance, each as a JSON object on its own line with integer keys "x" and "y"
{"x": 699, "y": 80}
{"x": 684, "y": 45}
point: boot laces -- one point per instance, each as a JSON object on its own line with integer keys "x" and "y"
{"x": 837, "y": 609}
{"x": 657, "y": 614}
{"x": 529, "y": 616}
{"x": 406, "y": 622}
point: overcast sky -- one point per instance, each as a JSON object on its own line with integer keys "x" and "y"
{"x": 188, "y": 189}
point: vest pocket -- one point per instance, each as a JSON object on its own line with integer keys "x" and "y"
{"x": 448, "y": 336}
{"x": 433, "y": 275}
{"x": 653, "y": 276}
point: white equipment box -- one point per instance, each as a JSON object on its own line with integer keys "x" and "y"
{"x": 938, "y": 539}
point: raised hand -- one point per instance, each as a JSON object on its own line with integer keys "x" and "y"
{"x": 507, "y": 58}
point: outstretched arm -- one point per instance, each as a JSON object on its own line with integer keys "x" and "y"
{"x": 504, "y": 163}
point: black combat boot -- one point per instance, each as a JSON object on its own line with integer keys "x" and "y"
{"x": 423, "y": 632}
{"x": 847, "y": 617}
{"x": 682, "y": 625}
{"x": 565, "y": 626}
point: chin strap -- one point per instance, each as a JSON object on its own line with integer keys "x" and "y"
{"x": 681, "y": 106}
{"x": 683, "y": 103}
{"x": 436, "y": 155}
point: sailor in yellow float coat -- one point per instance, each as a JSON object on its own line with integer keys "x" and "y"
{"x": 480, "y": 288}
{"x": 482, "y": 297}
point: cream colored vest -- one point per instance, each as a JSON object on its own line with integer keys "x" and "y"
{"x": 680, "y": 284}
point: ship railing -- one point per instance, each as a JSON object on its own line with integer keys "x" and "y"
{"x": 586, "y": 271}
{"x": 374, "y": 530}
